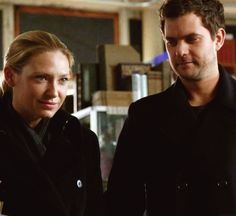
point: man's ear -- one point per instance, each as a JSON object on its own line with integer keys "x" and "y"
{"x": 220, "y": 38}
{"x": 9, "y": 75}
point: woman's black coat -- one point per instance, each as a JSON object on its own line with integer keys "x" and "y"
{"x": 172, "y": 162}
{"x": 66, "y": 181}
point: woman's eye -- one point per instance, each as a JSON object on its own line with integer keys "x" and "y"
{"x": 41, "y": 78}
{"x": 63, "y": 80}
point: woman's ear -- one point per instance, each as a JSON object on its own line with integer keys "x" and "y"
{"x": 220, "y": 38}
{"x": 9, "y": 75}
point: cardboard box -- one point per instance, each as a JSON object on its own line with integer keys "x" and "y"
{"x": 112, "y": 98}
{"x": 155, "y": 82}
{"x": 109, "y": 56}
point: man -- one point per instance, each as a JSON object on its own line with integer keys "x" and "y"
{"x": 176, "y": 154}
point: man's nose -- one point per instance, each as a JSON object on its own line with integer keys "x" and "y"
{"x": 182, "y": 49}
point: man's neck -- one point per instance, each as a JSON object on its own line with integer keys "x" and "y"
{"x": 201, "y": 92}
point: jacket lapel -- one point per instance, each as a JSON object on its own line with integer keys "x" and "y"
{"x": 23, "y": 163}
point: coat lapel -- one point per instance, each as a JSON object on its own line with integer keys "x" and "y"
{"x": 23, "y": 165}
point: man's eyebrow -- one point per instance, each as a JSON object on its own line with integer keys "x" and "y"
{"x": 184, "y": 36}
{"x": 170, "y": 38}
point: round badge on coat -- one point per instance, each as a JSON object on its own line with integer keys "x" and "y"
{"x": 79, "y": 183}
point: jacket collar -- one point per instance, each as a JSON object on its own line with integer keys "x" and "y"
{"x": 225, "y": 94}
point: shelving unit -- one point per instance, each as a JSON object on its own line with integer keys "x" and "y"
{"x": 231, "y": 68}
{"x": 106, "y": 122}
{"x": 227, "y": 56}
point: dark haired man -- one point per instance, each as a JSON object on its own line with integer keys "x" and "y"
{"x": 176, "y": 154}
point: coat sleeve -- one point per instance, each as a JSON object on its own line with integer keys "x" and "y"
{"x": 125, "y": 193}
{"x": 94, "y": 205}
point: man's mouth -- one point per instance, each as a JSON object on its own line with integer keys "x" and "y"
{"x": 182, "y": 63}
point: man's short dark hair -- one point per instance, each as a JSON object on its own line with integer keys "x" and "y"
{"x": 211, "y": 12}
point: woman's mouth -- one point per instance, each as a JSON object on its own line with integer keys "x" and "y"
{"x": 48, "y": 104}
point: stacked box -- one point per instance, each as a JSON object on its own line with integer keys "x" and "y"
{"x": 109, "y": 56}
{"x": 155, "y": 82}
{"x": 112, "y": 98}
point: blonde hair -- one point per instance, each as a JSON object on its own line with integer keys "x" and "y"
{"x": 29, "y": 44}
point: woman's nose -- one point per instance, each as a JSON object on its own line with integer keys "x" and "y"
{"x": 52, "y": 89}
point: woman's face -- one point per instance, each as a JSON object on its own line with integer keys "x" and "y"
{"x": 41, "y": 87}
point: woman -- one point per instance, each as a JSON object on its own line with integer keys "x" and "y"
{"x": 49, "y": 163}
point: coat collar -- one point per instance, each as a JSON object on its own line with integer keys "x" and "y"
{"x": 225, "y": 95}
{"x": 181, "y": 118}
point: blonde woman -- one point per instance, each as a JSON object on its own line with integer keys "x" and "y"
{"x": 49, "y": 163}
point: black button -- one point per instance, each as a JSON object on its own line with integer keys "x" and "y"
{"x": 222, "y": 183}
{"x": 182, "y": 187}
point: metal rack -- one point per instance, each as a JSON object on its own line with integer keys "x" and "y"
{"x": 106, "y": 122}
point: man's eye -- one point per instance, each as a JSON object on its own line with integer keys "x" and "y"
{"x": 192, "y": 39}
{"x": 171, "y": 43}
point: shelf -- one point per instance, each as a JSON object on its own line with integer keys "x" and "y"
{"x": 106, "y": 122}
{"x": 231, "y": 68}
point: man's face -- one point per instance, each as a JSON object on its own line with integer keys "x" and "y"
{"x": 41, "y": 87}
{"x": 191, "y": 49}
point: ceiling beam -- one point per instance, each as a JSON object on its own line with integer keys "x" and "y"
{"x": 101, "y": 5}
